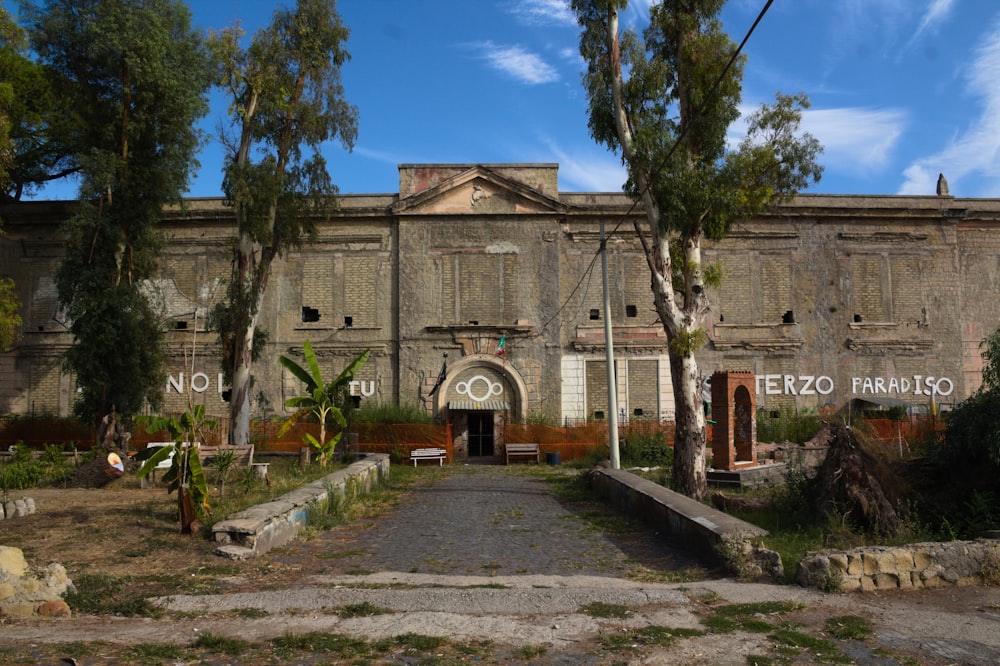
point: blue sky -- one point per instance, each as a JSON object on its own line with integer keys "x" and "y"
{"x": 901, "y": 90}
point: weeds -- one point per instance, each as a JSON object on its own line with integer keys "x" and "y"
{"x": 100, "y": 593}
{"x": 364, "y": 609}
{"x": 849, "y": 627}
{"x": 221, "y": 644}
{"x": 606, "y": 610}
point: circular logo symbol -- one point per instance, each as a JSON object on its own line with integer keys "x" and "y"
{"x": 476, "y": 393}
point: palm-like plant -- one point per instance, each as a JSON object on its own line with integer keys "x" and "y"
{"x": 185, "y": 474}
{"x": 320, "y": 399}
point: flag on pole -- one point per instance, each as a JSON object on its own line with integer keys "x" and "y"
{"x": 500, "y": 346}
{"x": 441, "y": 377}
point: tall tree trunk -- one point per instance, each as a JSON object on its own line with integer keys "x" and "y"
{"x": 689, "y": 435}
{"x": 253, "y": 280}
{"x": 239, "y": 406}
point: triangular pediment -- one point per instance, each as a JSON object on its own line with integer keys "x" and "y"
{"x": 479, "y": 191}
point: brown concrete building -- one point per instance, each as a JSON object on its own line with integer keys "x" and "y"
{"x": 829, "y": 299}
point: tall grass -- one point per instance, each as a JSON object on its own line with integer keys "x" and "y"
{"x": 787, "y": 425}
{"x": 385, "y": 412}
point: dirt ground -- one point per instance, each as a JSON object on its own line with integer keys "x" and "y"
{"x": 130, "y": 534}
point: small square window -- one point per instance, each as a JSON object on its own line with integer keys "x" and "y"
{"x": 637, "y": 411}
{"x": 180, "y": 325}
{"x": 631, "y": 311}
{"x": 348, "y": 322}
{"x": 309, "y": 314}
{"x": 599, "y": 416}
{"x": 595, "y": 314}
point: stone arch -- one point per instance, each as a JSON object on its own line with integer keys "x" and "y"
{"x": 515, "y": 391}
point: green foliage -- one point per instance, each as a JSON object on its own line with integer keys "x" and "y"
{"x": 135, "y": 76}
{"x": 185, "y": 467}
{"x": 960, "y": 478}
{"x": 787, "y": 425}
{"x": 603, "y": 609}
{"x": 387, "y": 412}
{"x": 286, "y": 94}
{"x": 10, "y": 320}
{"x": 645, "y": 448}
{"x": 665, "y": 101}
{"x": 320, "y": 400}
{"x": 105, "y": 594}
{"x": 220, "y": 643}
{"x": 849, "y": 627}
{"x": 35, "y": 122}
{"x": 21, "y": 471}
{"x": 686, "y": 343}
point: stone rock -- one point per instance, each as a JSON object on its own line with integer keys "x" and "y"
{"x": 29, "y": 503}
{"x": 25, "y": 592}
{"x": 12, "y": 563}
{"x": 9, "y": 508}
{"x": 57, "y": 608}
{"x": 20, "y": 508}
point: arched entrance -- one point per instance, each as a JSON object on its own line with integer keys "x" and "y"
{"x": 481, "y": 394}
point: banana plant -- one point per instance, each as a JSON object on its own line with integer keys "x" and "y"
{"x": 320, "y": 399}
{"x": 185, "y": 475}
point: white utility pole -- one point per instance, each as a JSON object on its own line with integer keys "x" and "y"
{"x": 609, "y": 353}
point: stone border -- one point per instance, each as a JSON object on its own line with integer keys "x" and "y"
{"x": 912, "y": 566}
{"x": 258, "y": 529}
{"x": 713, "y": 534}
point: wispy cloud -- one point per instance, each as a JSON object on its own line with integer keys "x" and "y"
{"x": 853, "y": 139}
{"x": 587, "y": 169}
{"x": 544, "y": 12}
{"x": 936, "y": 14}
{"x": 517, "y": 62}
{"x": 975, "y": 152}
{"x": 856, "y": 138}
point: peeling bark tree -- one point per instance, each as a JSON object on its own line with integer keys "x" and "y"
{"x": 286, "y": 94}
{"x": 664, "y": 102}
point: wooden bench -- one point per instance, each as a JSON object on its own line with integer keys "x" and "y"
{"x": 243, "y": 457}
{"x": 429, "y": 454}
{"x": 523, "y": 449}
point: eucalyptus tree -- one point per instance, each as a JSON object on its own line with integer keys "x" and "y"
{"x": 36, "y": 140}
{"x": 136, "y": 76}
{"x": 286, "y": 96}
{"x": 665, "y": 101}
{"x": 11, "y": 40}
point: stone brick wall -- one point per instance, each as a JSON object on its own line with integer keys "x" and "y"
{"x": 499, "y": 245}
{"x": 918, "y": 565}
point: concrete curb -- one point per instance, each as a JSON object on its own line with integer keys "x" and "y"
{"x": 258, "y": 529}
{"x": 698, "y": 527}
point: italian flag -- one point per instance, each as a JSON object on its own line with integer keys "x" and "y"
{"x": 500, "y": 346}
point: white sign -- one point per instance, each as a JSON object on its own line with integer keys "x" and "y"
{"x": 199, "y": 383}
{"x": 823, "y": 385}
{"x": 366, "y": 388}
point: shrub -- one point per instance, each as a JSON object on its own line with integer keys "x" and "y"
{"x": 646, "y": 448}
{"x": 384, "y": 412}
{"x": 787, "y": 425}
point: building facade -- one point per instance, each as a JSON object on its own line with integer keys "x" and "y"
{"x": 489, "y": 271}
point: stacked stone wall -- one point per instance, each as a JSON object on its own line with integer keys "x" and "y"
{"x": 914, "y": 566}
{"x": 26, "y": 593}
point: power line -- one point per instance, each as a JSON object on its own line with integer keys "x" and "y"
{"x": 656, "y": 172}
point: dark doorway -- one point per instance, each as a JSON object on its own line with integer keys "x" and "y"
{"x": 480, "y": 434}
